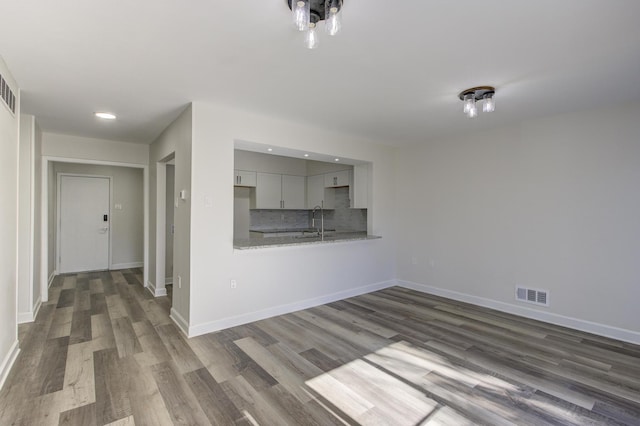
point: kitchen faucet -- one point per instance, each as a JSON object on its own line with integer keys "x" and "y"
{"x": 313, "y": 219}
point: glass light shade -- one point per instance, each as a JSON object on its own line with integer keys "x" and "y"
{"x": 489, "y": 105}
{"x": 469, "y": 102}
{"x": 311, "y": 37}
{"x": 301, "y": 14}
{"x": 333, "y": 16}
{"x": 473, "y": 110}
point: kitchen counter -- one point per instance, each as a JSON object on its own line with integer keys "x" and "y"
{"x": 338, "y": 237}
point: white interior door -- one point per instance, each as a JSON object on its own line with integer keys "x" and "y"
{"x": 84, "y": 223}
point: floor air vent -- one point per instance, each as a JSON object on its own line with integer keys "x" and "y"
{"x": 7, "y": 95}
{"x": 532, "y": 295}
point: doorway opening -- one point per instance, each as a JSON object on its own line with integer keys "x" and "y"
{"x": 83, "y": 231}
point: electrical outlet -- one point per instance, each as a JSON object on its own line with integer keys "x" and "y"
{"x": 179, "y": 281}
{"x": 233, "y": 284}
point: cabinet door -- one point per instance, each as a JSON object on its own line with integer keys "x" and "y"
{"x": 359, "y": 188}
{"x": 293, "y": 192}
{"x": 315, "y": 191}
{"x": 335, "y": 179}
{"x": 268, "y": 191}
{"x": 245, "y": 178}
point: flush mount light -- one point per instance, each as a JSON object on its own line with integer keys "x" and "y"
{"x": 105, "y": 115}
{"x": 337, "y": 159}
{"x": 482, "y": 94}
{"x": 307, "y": 14}
{"x": 269, "y": 149}
{"x": 306, "y": 155}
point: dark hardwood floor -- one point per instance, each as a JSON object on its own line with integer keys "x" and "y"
{"x": 103, "y": 351}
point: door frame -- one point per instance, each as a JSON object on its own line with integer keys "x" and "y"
{"x": 46, "y": 279}
{"x": 59, "y": 177}
{"x": 159, "y": 288}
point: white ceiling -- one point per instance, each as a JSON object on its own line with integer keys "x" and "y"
{"x": 392, "y": 74}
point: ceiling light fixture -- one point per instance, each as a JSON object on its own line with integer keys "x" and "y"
{"x": 482, "y": 94}
{"x": 105, "y": 115}
{"x": 307, "y": 13}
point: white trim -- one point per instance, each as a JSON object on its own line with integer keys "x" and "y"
{"x": 168, "y": 281}
{"x": 223, "y": 323}
{"x": 131, "y": 265}
{"x": 155, "y": 291}
{"x": 7, "y": 363}
{"x": 523, "y": 311}
{"x": 24, "y": 317}
{"x": 182, "y": 324}
{"x": 51, "y": 278}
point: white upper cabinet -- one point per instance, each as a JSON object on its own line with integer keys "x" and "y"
{"x": 268, "y": 191}
{"x": 318, "y": 195}
{"x": 275, "y": 191}
{"x": 315, "y": 191}
{"x": 293, "y": 192}
{"x": 244, "y": 178}
{"x": 359, "y": 188}
{"x": 336, "y": 179}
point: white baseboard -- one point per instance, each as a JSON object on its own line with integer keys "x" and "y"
{"x": 156, "y": 292}
{"x": 182, "y": 324}
{"x": 7, "y": 362}
{"x": 523, "y": 311}
{"x": 118, "y": 266}
{"x": 223, "y": 323}
{"x": 168, "y": 280}
{"x": 24, "y": 317}
{"x": 51, "y": 277}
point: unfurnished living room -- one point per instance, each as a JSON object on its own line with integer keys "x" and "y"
{"x": 320, "y": 212}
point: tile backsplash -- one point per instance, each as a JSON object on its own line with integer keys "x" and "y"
{"x": 342, "y": 218}
{"x": 278, "y": 219}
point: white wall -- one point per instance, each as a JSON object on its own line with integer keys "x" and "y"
{"x": 127, "y": 224}
{"x": 29, "y": 228}
{"x": 68, "y": 146}
{"x": 266, "y": 163}
{"x": 275, "y": 280}
{"x": 552, "y": 204}
{"x": 9, "y": 131}
{"x": 37, "y": 222}
{"x": 175, "y": 139}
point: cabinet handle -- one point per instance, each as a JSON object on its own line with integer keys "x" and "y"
{"x": 240, "y": 179}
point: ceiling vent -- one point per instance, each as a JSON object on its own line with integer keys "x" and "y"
{"x": 7, "y": 95}
{"x": 532, "y": 295}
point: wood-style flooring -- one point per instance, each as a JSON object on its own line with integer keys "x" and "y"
{"x": 102, "y": 351}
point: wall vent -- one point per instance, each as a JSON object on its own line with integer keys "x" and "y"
{"x": 532, "y": 295}
{"x": 7, "y": 95}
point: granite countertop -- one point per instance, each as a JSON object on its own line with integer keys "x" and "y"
{"x": 283, "y": 230}
{"x": 337, "y": 237}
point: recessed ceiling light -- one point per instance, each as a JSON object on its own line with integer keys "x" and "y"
{"x": 105, "y": 115}
{"x": 306, "y": 155}
{"x": 337, "y": 159}
{"x": 269, "y": 149}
